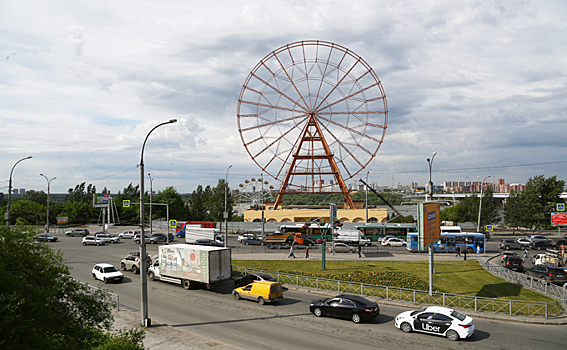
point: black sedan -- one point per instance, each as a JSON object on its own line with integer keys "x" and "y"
{"x": 252, "y": 241}
{"x": 208, "y": 242}
{"x": 45, "y": 237}
{"x": 347, "y": 306}
{"x": 252, "y": 277}
{"x": 162, "y": 237}
{"x": 541, "y": 245}
{"x": 549, "y": 274}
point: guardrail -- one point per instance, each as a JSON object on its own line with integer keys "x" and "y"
{"x": 554, "y": 291}
{"x": 109, "y": 297}
{"x": 478, "y": 304}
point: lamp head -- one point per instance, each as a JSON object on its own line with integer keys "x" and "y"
{"x": 171, "y": 121}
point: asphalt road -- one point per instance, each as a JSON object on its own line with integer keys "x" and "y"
{"x": 215, "y": 314}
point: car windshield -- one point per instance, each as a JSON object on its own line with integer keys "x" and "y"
{"x": 417, "y": 312}
{"x": 458, "y": 315}
{"x": 110, "y": 269}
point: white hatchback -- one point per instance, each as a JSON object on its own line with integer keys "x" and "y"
{"x": 436, "y": 320}
{"x": 394, "y": 242}
{"x": 107, "y": 273}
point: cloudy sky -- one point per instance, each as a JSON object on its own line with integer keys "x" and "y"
{"x": 482, "y": 83}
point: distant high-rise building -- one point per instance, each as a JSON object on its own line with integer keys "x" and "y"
{"x": 22, "y": 190}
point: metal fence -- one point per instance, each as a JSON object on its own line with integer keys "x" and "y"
{"x": 554, "y": 291}
{"x": 478, "y": 304}
{"x": 109, "y": 297}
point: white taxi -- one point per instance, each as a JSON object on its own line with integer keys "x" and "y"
{"x": 436, "y": 320}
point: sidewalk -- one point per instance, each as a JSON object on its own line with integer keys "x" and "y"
{"x": 164, "y": 337}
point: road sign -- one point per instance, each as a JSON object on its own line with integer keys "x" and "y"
{"x": 126, "y": 203}
{"x": 560, "y": 206}
{"x": 559, "y": 219}
{"x": 489, "y": 228}
{"x": 172, "y": 223}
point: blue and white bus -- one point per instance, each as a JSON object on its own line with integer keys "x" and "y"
{"x": 449, "y": 241}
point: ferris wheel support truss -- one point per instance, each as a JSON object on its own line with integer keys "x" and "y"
{"x": 312, "y": 133}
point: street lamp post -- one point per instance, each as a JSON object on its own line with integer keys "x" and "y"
{"x": 10, "y": 191}
{"x": 225, "y": 214}
{"x": 431, "y": 259}
{"x": 430, "y": 163}
{"x": 262, "y": 198}
{"x": 366, "y": 205}
{"x": 143, "y": 268}
{"x": 48, "y": 195}
{"x": 480, "y": 204}
{"x": 151, "y": 191}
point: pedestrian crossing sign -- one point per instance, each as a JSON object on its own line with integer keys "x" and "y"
{"x": 560, "y": 206}
{"x": 172, "y": 223}
{"x": 489, "y": 228}
{"x": 126, "y": 203}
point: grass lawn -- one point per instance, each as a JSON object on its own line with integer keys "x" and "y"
{"x": 456, "y": 277}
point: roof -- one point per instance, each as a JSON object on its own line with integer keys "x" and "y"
{"x": 357, "y": 298}
{"x": 104, "y": 265}
{"x": 439, "y": 309}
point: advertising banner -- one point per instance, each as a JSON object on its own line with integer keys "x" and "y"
{"x": 429, "y": 221}
{"x": 559, "y": 219}
{"x": 101, "y": 200}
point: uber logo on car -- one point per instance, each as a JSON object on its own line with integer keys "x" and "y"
{"x": 430, "y": 328}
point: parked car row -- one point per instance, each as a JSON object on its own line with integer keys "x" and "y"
{"x": 536, "y": 242}
{"x": 545, "y": 273}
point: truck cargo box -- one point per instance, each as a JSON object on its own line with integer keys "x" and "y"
{"x": 202, "y": 264}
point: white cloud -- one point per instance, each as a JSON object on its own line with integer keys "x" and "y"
{"x": 81, "y": 84}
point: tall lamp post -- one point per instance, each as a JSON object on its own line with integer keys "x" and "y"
{"x": 225, "y": 214}
{"x": 143, "y": 268}
{"x": 430, "y": 163}
{"x": 480, "y": 204}
{"x": 431, "y": 260}
{"x": 151, "y": 193}
{"x": 366, "y": 204}
{"x": 48, "y": 195}
{"x": 10, "y": 191}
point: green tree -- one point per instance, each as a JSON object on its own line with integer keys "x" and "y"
{"x": 177, "y": 208}
{"x": 80, "y": 193}
{"x": 467, "y": 210}
{"x": 532, "y": 207}
{"x": 197, "y": 206}
{"x": 42, "y": 307}
{"x": 489, "y": 210}
{"x": 35, "y": 196}
{"x": 132, "y": 213}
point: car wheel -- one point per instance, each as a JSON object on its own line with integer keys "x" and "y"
{"x": 452, "y": 335}
{"x": 236, "y": 296}
{"x": 97, "y": 243}
{"x": 94, "y": 276}
{"x": 122, "y": 267}
{"x": 507, "y": 247}
{"x": 261, "y": 301}
{"x": 355, "y": 318}
{"x": 154, "y": 242}
{"x": 317, "y": 312}
{"x": 134, "y": 269}
{"x": 151, "y": 276}
{"x": 106, "y": 280}
{"x": 388, "y": 245}
{"x": 186, "y": 284}
{"x": 522, "y": 247}
{"x": 406, "y": 327}
{"x": 84, "y": 243}
{"x": 539, "y": 248}
{"x": 245, "y": 243}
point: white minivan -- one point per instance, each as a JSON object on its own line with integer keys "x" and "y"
{"x": 351, "y": 237}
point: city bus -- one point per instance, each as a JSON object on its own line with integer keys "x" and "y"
{"x": 449, "y": 241}
{"x": 377, "y": 231}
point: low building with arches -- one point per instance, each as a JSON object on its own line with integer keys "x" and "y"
{"x": 305, "y": 214}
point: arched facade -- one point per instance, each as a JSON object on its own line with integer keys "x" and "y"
{"x": 304, "y": 215}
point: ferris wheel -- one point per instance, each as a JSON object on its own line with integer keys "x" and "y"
{"x": 312, "y": 114}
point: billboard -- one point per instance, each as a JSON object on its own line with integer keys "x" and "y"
{"x": 101, "y": 200}
{"x": 429, "y": 223}
{"x": 559, "y": 218}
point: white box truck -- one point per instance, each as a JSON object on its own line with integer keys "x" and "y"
{"x": 188, "y": 265}
{"x": 351, "y": 237}
{"x": 193, "y": 233}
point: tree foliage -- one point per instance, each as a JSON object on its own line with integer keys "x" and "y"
{"x": 467, "y": 210}
{"x": 80, "y": 193}
{"x": 532, "y": 208}
{"x": 208, "y": 204}
{"x": 42, "y": 307}
{"x": 39, "y": 197}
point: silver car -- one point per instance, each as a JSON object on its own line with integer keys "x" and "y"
{"x": 92, "y": 240}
